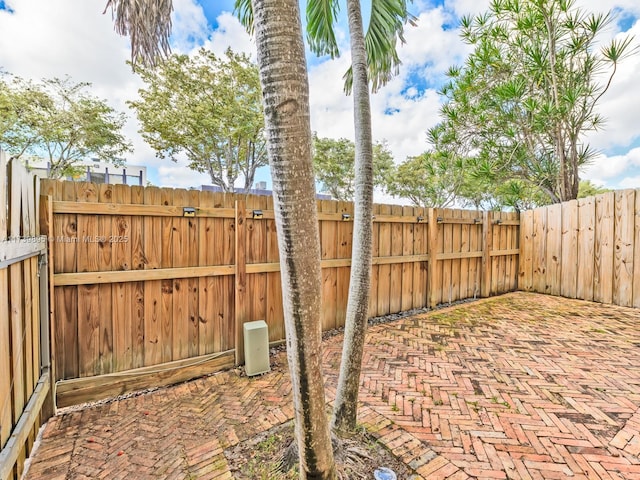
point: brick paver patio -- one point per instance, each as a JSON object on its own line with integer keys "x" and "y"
{"x": 521, "y": 386}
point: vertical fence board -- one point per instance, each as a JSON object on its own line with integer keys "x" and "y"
{"x": 485, "y": 268}
{"x": 586, "y": 248}
{"x": 408, "y": 286}
{"x": 445, "y": 266}
{"x": 456, "y": 246}
{"x": 384, "y": 271}
{"x": 345, "y": 234}
{"x": 623, "y": 248}
{"x": 241, "y": 295}
{"x": 179, "y": 288}
{"x": 135, "y": 290}
{"x": 525, "y": 281}
{"x": 636, "y": 253}
{"x": 88, "y": 295}
{"x": 432, "y": 249}
{"x": 105, "y": 291}
{"x": 466, "y": 289}
{"x": 329, "y": 246}
{"x": 153, "y": 244}
{"x": 420, "y": 247}
{"x": 540, "y": 250}
{"x": 603, "y": 275}
{"x": 554, "y": 249}
{"x": 166, "y": 325}
{"x": 28, "y": 305}
{"x": 375, "y": 269}
{"x": 122, "y": 292}
{"x": 209, "y": 234}
{"x": 5, "y": 362}
{"x": 275, "y": 311}
{"x": 438, "y": 283}
{"x": 16, "y": 306}
{"x": 193, "y": 247}
{"x": 475, "y": 245}
{"x": 515, "y": 245}
{"x": 395, "y": 291}
{"x": 256, "y": 253}
{"x": 569, "y": 249}
{"x": 229, "y": 258}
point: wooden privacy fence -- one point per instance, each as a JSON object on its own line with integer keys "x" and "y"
{"x": 159, "y": 282}
{"x": 587, "y": 249}
{"x": 24, "y": 339}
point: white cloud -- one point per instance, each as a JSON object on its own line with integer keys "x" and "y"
{"x": 230, "y": 34}
{"x": 605, "y": 169}
{"x": 189, "y": 26}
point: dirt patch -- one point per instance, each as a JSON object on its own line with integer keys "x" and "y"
{"x": 264, "y": 457}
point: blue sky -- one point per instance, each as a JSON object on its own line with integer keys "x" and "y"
{"x": 46, "y": 38}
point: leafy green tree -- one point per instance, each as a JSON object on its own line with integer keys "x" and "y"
{"x": 58, "y": 120}
{"x": 333, "y": 162}
{"x": 527, "y": 94}
{"x": 430, "y": 180}
{"x": 209, "y": 109}
{"x": 588, "y": 189}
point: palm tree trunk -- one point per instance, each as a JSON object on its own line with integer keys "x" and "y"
{"x": 283, "y": 75}
{"x": 346, "y": 404}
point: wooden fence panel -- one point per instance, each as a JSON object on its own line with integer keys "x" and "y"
{"x": 587, "y": 249}
{"x": 180, "y": 287}
{"x": 24, "y": 373}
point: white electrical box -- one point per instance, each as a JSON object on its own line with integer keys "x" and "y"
{"x": 256, "y": 348}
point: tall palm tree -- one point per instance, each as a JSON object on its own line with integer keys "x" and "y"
{"x": 374, "y": 59}
{"x": 283, "y": 75}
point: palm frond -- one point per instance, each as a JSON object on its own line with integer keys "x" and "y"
{"x": 321, "y": 18}
{"x": 386, "y": 27}
{"x": 148, "y": 25}
{"x": 244, "y": 12}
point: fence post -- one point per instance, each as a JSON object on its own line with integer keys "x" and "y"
{"x": 433, "y": 247}
{"x": 241, "y": 303}
{"x": 487, "y": 234}
{"x": 46, "y": 303}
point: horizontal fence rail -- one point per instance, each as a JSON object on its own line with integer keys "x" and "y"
{"x": 144, "y": 277}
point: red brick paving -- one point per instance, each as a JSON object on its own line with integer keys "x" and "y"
{"x": 521, "y": 386}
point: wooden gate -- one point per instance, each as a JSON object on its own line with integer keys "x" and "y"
{"x": 25, "y": 393}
